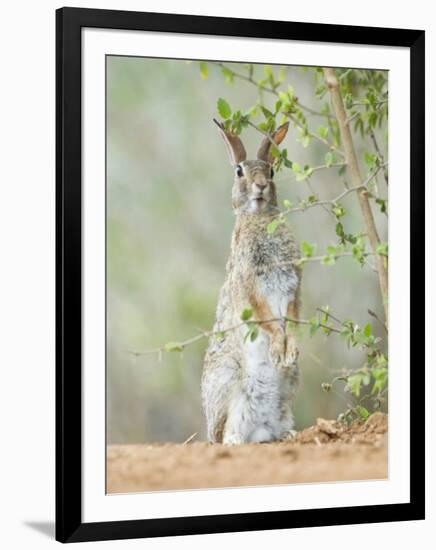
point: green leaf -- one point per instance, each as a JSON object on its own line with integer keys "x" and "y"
{"x": 380, "y": 376}
{"x": 367, "y": 331}
{"x": 173, "y": 346}
{"x": 275, "y": 153}
{"x": 340, "y": 230}
{"x": 382, "y": 360}
{"x": 338, "y": 210}
{"x": 272, "y": 226}
{"x": 278, "y": 105}
{"x": 281, "y": 74}
{"x": 268, "y": 71}
{"x": 253, "y": 111}
{"x": 266, "y": 112}
{"x": 383, "y": 205}
{"x": 354, "y": 383}
{"x": 362, "y": 411}
{"x": 370, "y": 159}
{"x": 348, "y": 100}
{"x": 204, "y": 72}
{"x": 328, "y": 260}
{"x": 287, "y": 204}
{"x": 284, "y": 97}
{"x": 228, "y": 75}
{"x": 246, "y": 314}
{"x": 224, "y": 108}
{"x": 329, "y": 158}
{"x": 263, "y": 126}
{"x": 314, "y": 325}
{"x": 323, "y": 131}
{"x": 305, "y": 140}
{"x": 305, "y": 174}
{"x": 320, "y": 90}
{"x": 254, "y": 333}
{"x": 308, "y": 249}
{"x": 382, "y": 249}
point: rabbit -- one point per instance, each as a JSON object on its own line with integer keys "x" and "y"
{"x": 248, "y": 387}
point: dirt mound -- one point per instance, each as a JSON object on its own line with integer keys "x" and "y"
{"x": 328, "y": 451}
{"x": 371, "y": 432}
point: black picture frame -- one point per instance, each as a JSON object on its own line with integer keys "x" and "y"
{"x": 69, "y": 525}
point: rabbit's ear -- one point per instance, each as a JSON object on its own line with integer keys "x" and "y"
{"x": 264, "y": 151}
{"x": 235, "y": 148}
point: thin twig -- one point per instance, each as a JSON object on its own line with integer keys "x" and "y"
{"x": 373, "y": 314}
{"x": 335, "y": 255}
{"x": 379, "y": 154}
{"x": 251, "y": 80}
{"x": 352, "y": 117}
{"x": 366, "y": 104}
{"x": 266, "y": 134}
{"x": 336, "y": 199}
{"x": 333, "y": 165}
{"x": 324, "y": 207}
{"x": 316, "y": 169}
{"x": 325, "y": 312}
{"x": 314, "y": 136}
{"x": 210, "y": 333}
{"x": 190, "y": 438}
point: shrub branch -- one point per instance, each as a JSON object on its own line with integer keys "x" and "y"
{"x": 353, "y": 169}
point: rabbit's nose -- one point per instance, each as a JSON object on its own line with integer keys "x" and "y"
{"x": 261, "y": 185}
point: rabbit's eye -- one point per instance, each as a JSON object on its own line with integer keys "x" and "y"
{"x": 272, "y": 172}
{"x": 239, "y": 171}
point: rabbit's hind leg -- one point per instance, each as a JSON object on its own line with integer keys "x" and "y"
{"x": 235, "y": 430}
{"x": 232, "y": 438}
{"x": 220, "y": 377}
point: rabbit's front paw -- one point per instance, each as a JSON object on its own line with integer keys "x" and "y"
{"x": 277, "y": 351}
{"x": 291, "y": 355}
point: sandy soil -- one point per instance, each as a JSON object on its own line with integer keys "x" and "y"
{"x": 327, "y": 451}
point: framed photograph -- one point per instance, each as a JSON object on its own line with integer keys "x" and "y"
{"x": 240, "y": 256}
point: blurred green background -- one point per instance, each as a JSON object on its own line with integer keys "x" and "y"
{"x": 169, "y": 223}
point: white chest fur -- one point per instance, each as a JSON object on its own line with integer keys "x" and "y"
{"x": 261, "y": 410}
{"x": 278, "y": 288}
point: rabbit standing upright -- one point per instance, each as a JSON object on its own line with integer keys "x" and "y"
{"x": 248, "y": 386}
